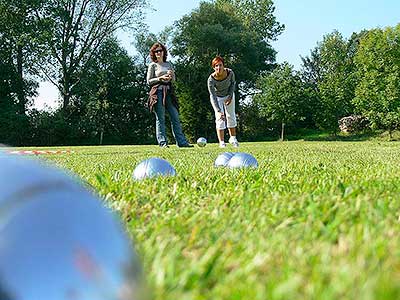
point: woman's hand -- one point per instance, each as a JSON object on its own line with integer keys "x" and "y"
{"x": 228, "y": 101}
{"x": 221, "y": 115}
{"x": 165, "y": 77}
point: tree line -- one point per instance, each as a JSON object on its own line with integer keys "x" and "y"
{"x": 103, "y": 90}
{"x": 341, "y": 77}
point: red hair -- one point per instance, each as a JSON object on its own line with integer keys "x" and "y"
{"x": 217, "y": 60}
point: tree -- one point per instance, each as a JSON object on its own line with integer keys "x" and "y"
{"x": 311, "y": 69}
{"x": 378, "y": 69}
{"x": 17, "y": 40}
{"x": 335, "y": 89}
{"x": 282, "y": 96}
{"x": 76, "y": 29}
{"x": 145, "y": 39}
{"x": 257, "y": 16}
{"x": 14, "y": 124}
{"x": 217, "y": 28}
{"x": 329, "y": 73}
{"x": 143, "y": 42}
{"x": 110, "y": 98}
{"x": 311, "y": 75}
{"x": 8, "y": 108}
{"x": 254, "y": 126}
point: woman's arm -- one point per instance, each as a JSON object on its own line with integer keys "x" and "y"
{"x": 213, "y": 94}
{"x": 151, "y": 75}
{"x": 232, "y": 86}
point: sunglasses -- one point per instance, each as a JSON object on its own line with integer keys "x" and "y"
{"x": 158, "y": 51}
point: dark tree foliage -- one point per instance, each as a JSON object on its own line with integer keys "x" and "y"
{"x": 18, "y": 29}
{"x": 113, "y": 98}
{"x": 17, "y": 84}
{"x": 216, "y": 29}
{"x": 330, "y": 75}
{"x": 107, "y": 106}
{"x": 378, "y": 89}
{"x": 14, "y": 126}
{"x": 283, "y": 96}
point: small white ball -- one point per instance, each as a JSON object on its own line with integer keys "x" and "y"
{"x": 201, "y": 142}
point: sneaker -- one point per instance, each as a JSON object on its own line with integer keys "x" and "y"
{"x": 222, "y": 144}
{"x": 233, "y": 141}
{"x": 186, "y": 146}
{"x": 164, "y": 146}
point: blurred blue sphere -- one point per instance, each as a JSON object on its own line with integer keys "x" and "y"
{"x": 153, "y": 167}
{"x": 201, "y": 142}
{"x": 242, "y": 160}
{"x": 57, "y": 240}
{"x": 223, "y": 159}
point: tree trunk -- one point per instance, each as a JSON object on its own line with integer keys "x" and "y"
{"x": 20, "y": 82}
{"x": 66, "y": 99}
{"x": 282, "y": 131}
{"x": 101, "y": 136}
{"x": 65, "y": 91}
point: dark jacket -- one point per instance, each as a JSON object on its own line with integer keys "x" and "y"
{"x": 153, "y": 95}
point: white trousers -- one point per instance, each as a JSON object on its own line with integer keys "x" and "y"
{"x": 230, "y": 115}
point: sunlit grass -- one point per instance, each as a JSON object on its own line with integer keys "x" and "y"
{"x": 316, "y": 220}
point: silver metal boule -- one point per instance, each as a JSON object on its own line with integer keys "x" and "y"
{"x": 223, "y": 159}
{"x": 201, "y": 142}
{"x": 153, "y": 167}
{"x": 242, "y": 160}
{"x": 58, "y": 241}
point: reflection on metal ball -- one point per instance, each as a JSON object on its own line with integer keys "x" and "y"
{"x": 223, "y": 159}
{"x": 153, "y": 167}
{"x": 201, "y": 142}
{"x": 242, "y": 160}
{"x": 58, "y": 241}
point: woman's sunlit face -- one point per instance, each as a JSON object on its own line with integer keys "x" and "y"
{"x": 159, "y": 52}
{"x": 219, "y": 68}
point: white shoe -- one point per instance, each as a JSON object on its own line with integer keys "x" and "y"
{"x": 233, "y": 141}
{"x": 222, "y": 145}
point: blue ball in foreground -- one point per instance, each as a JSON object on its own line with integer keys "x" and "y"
{"x": 58, "y": 241}
{"x": 242, "y": 160}
{"x": 153, "y": 167}
{"x": 201, "y": 142}
{"x": 223, "y": 159}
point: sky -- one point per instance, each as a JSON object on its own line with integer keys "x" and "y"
{"x": 306, "y": 22}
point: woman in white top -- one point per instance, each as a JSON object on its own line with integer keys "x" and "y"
{"x": 160, "y": 75}
{"x": 221, "y": 86}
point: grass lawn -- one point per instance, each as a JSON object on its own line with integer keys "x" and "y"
{"x": 316, "y": 220}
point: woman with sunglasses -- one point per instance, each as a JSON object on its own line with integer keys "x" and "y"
{"x": 160, "y": 75}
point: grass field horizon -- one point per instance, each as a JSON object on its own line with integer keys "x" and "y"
{"x": 316, "y": 220}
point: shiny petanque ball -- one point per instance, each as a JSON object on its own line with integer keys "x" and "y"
{"x": 201, "y": 142}
{"x": 242, "y": 160}
{"x": 223, "y": 159}
{"x": 153, "y": 167}
{"x": 58, "y": 241}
